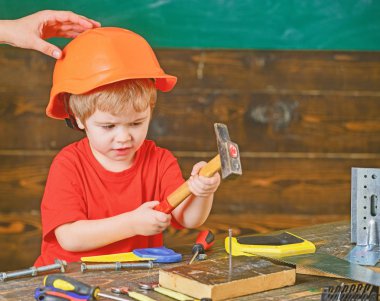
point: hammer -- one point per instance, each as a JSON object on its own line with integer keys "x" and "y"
{"x": 228, "y": 160}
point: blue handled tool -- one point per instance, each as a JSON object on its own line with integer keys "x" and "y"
{"x": 161, "y": 254}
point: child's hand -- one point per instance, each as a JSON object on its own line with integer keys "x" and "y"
{"x": 202, "y": 186}
{"x": 148, "y": 221}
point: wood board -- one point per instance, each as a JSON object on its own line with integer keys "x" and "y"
{"x": 214, "y": 279}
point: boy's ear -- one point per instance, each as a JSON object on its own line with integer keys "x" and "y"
{"x": 79, "y": 123}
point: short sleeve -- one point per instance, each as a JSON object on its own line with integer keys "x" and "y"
{"x": 63, "y": 200}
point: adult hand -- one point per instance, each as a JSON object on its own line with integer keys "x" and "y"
{"x": 31, "y": 31}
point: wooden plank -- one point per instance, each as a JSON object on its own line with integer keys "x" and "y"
{"x": 267, "y": 186}
{"x": 269, "y": 70}
{"x": 273, "y": 70}
{"x": 292, "y": 185}
{"x": 216, "y": 280}
{"x": 258, "y": 122}
{"x": 22, "y": 182}
{"x": 272, "y": 101}
{"x": 20, "y": 240}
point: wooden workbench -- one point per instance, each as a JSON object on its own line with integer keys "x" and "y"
{"x": 333, "y": 238}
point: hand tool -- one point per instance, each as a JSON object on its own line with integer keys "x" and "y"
{"x": 80, "y": 289}
{"x": 117, "y": 266}
{"x": 160, "y": 254}
{"x": 319, "y": 262}
{"x": 365, "y": 217}
{"x": 230, "y": 253}
{"x": 228, "y": 161}
{"x": 33, "y": 271}
{"x": 132, "y": 294}
{"x": 279, "y": 245}
{"x": 157, "y": 254}
{"x": 350, "y": 292}
{"x": 201, "y": 257}
{"x": 52, "y": 294}
{"x": 165, "y": 291}
{"x": 119, "y": 257}
{"x": 204, "y": 241}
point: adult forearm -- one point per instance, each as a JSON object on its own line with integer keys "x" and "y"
{"x": 6, "y": 32}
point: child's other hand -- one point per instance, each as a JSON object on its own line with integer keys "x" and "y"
{"x": 202, "y": 186}
{"x": 148, "y": 221}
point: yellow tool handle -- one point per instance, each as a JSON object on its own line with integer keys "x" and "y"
{"x": 183, "y": 191}
{"x": 173, "y": 294}
{"x": 69, "y": 284}
{"x": 139, "y": 297}
{"x": 211, "y": 167}
{"x": 274, "y": 251}
{"x": 119, "y": 257}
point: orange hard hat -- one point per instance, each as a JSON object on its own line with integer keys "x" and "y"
{"x": 99, "y": 57}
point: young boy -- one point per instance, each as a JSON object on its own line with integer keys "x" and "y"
{"x": 101, "y": 191}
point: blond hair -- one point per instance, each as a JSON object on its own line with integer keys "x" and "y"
{"x": 138, "y": 94}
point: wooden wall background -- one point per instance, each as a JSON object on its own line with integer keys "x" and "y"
{"x": 302, "y": 119}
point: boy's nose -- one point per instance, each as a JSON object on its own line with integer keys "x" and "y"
{"x": 123, "y": 135}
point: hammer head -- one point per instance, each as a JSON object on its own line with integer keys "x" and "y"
{"x": 228, "y": 151}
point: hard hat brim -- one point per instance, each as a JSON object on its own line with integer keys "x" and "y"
{"x": 56, "y": 108}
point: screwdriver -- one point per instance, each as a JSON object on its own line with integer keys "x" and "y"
{"x": 70, "y": 285}
{"x": 204, "y": 241}
{"x": 51, "y": 294}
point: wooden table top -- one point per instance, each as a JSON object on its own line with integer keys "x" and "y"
{"x": 332, "y": 238}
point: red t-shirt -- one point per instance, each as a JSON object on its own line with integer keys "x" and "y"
{"x": 79, "y": 188}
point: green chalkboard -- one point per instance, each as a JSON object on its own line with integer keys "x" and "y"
{"x": 244, "y": 24}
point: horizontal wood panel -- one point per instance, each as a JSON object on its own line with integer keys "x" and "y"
{"x": 20, "y": 240}
{"x": 264, "y": 109}
{"x": 22, "y": 182}
{"x": 268, "y": 185}
{"x": 290, "y": 186}
{"x": 270, "y": 123}
{"x": 257, "y": 122}
{"x": 273, "y": 70}
{"x": 224, "y": 69}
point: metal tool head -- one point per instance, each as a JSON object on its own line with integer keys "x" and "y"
{"x": 120, "y": 290}
{"x": 148, "y": 285}
{"x": 228, "y": 151}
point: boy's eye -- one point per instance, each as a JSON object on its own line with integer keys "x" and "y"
{"x": 137, "y": 123}
{"x": 108, "y": 126}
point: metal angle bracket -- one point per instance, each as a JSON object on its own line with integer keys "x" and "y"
{"x": 365, "y": 216}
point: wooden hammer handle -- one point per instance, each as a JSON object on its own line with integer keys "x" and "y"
{"x": 183, "y": 191}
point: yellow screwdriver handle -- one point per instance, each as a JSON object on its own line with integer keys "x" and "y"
{"x": 172, "y": 294}
{"x": 139, "y": 297}
{"x": 69, "y": 284}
